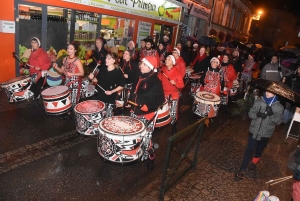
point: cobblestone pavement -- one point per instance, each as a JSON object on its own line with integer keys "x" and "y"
{"x": 219, "y": 158}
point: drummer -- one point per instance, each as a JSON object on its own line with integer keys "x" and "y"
{"x": 73, "y": 70}
{"x": 147, "y": 94}
{"x": 180, "y": 64}
{"x": 39, "y": 61}
{"x": 212, "y": 79}
{"x": 130, "y": 71}
{"x": 172, "y": 84}
{"x": 110, "y": 81}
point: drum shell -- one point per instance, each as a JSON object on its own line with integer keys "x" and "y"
{"x": 163, "y": 116}
{"x": 123, "y": 148}
{"x": 198, "y": 98}
{"x": 87, "y": 122}
{"x": 59, "y": 103}
{"x": 202, "y": 106}
{"x": 15, "y": 85}
{"x": 88, "y": 89}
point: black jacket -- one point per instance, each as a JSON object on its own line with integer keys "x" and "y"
{"x": 131, "y": 69}
{"x": 187, "y": 55}
{"x": 147, "y": 90}
{"x": 202, "y": 66}
{"x": 98, "y": 56}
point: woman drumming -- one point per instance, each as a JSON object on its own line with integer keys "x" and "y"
{"x": 172, "y": 84}
{"x": 111, "y": 80}
{"x": 130, "y": 71}
{"x": 73, "y": 70}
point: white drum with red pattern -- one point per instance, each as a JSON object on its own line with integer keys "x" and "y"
{"x": 206, "y": 104}
{"x": 17, "y": 89}
{"x": 57, "y": 100}
{"x": 163, "y": 115}
{"x": 121, "y": 138}
{"x": 88, "y": 114}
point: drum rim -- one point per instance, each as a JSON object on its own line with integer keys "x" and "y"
{"x": 25, "y": 76}
{"x": 121, "y": 134}
{"x": 75, "y": 110}
{"x": 206, "y": 99}
{"x": 54, "y": 94}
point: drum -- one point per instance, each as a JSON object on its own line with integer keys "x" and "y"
{"x": 163, "y": 115}
{"x": 234, "y": 89}
{"x": 57, "y": 100}
{"x": 121, "y": 138}
{"x": 206, "y": 104}
{"x": 53, "y": 78}
{"x": 88, "y": 89}
{"x": 88, "y": 115}
{"x": 17, "y": 89}
{"x": 224, "y": 96}
{"x": 195, "y": 83}
{"x": 188, "y": 72}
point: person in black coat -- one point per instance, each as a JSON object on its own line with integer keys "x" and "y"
{"x": 187, "y": 53}
{"x": 99, "y": 54}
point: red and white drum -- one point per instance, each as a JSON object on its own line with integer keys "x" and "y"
{"x": 163, "y": 115}
{"x": 88, "y": 89}
{"x": 17, "y": 89}
{"x": 57, "y": 100}
{"x": 224, "y": 96}
{"x": 234, "y": 89}
{"x": 88, "y": 115}
{"x": 188, "y": 72}
{"x": 195, "y": 83}
{"x": 121, "y": 138}
{"x": 206, "y": 104}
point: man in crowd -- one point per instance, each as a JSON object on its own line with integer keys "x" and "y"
{"x": 271, "y": 71}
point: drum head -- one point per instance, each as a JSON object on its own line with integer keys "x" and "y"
{"x": 54, "y": 90}
{"x": 122, "y": 125}
{"x": 195, "y": 77}
{"x": 206, "y": 96}
{"x": 15, "y": 79}
{"x": 89, "y": 107}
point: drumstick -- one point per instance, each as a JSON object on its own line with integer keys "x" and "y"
{"x": 101, "y": 87}
{"x": 133, "y": 103}
{"x": 19, "y": 60}
{"x": 282, "y": 178}
{"x": 167, "y": 77}
{"x": 95, "y": 68}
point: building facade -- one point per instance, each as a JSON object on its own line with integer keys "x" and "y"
{"x": 231, "y": 20}
{"x": 276, "y": 28}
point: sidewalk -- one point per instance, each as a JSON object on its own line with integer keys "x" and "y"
{"x": 219, "y": 158}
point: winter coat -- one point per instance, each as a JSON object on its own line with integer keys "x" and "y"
{"x": 98, "y": 57}
{"x": 271, "y": 72}
{"x": 180, "y": 65}
{"x": 39, "y": 58}
{"x": 187, "y": 55}
{"x": 228, "y": 73}
{"x": 201, "y": 66}
{"x": 131, "y": 69}
{"x": 147, "y": 90}
{"x": 264, "y": 127}
{"x": 173, "y": 74}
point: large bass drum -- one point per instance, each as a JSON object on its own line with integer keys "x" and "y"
{"x": 121, "y": 138}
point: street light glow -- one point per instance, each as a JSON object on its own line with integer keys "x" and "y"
{"x": 260, "y": 12}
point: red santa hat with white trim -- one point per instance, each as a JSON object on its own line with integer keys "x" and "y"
{"x": 151, "y": 62}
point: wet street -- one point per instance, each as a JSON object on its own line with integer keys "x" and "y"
{"x": 44, "y": 158}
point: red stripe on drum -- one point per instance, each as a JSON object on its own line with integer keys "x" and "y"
{"x": 58, "y": 109}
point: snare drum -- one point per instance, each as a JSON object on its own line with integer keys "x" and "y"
{"x": 88, "y": 115}
{"x": 163, "y": 115}
{"x": 17, "y": 89}
{"x": 88, "y": 89}
{"x": 121, "y": 138}
{"x": 57, "y": 100}
{"x": 188, "y": 72}
{"x": 195, "y": 83}
{"x": 206, "y": 104}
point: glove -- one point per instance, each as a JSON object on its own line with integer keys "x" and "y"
{"x": 269, "y": 111}
{"x": 144, "y": 108}
{"x": 261, "y": 115}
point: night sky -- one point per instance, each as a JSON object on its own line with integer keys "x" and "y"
{"x": 292, "y": 6}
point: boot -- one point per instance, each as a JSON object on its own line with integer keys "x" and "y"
{"x": 34, "y": 103}
{"x": 240, "y": 175}
{"x": 151, "y": 161}
{"x": 252, "y": 167}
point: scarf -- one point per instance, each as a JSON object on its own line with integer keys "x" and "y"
{"x": 200, "y": 58}
{"x": 270, "y": 100}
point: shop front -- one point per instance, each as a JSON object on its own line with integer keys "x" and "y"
{"x": 59, "y": 22}
{"x": 196, "y": 20}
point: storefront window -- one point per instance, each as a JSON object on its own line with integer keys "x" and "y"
{"x": 117, "y": 31}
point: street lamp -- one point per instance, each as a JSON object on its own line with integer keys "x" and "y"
{"x": 260, "y": 12}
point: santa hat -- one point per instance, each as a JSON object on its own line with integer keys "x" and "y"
{"x": 177, "y": 50}
{"x": 151, "y": 62}
{"x": 173, "y": 59}
{"x": 215, "y": 59}
{"x": 166, "y": 37}
{"x": 133, "y": 45}
{"x": 37, "y": 40}
{"x": 251, "y": 56}
{"x": 195, "y": 45}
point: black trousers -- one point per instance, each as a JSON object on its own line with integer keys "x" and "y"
{"x": 36, "y": 88}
